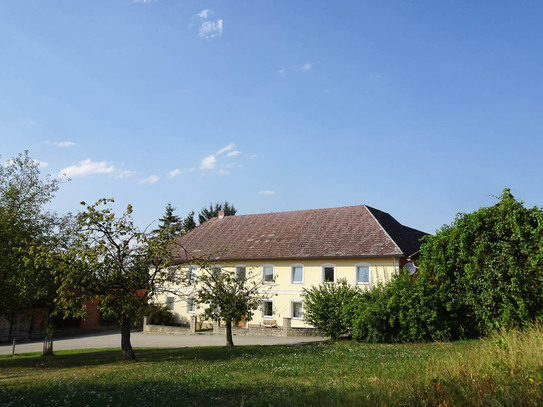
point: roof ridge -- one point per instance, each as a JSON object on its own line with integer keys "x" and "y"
{"x": 293, "y": 211}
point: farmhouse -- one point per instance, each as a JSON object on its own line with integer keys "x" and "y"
{"x": 296, "y": 250}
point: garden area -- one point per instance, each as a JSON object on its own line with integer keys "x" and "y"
{"x": 504, "y": 369}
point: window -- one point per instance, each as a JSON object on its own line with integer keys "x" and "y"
{"x": 297, "y": 309}
{"x": 172, "y": 270}
{"x": 241, "y": 272}
{"x": 267, "y": 308}
{"x": 297, "y": 274}
{"x": 170, "y": 302}
{"x": 329, "y": 273}
{"x": 362, "y": 274}
{"x": 191, "y": 305}
{"x": 216, "y": 271}
{"x": 267, "y": 274}
{"x": 192, "y": 274}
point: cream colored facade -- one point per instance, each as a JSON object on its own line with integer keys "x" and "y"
{"x": 291, "y": 277}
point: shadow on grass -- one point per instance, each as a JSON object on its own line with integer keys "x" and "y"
{"x": 179, "y": 393}
{"x": 96, "y": 357}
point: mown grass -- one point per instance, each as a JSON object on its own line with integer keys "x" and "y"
{"x": 505, "y": 369}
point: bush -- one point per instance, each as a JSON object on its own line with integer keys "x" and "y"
{"x": 158, "y": 315}
{"x": 323, "y": 307}
{"x": 488, "y": 265}
{"x": 405, "y": 310}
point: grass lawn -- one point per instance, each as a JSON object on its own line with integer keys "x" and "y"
{"x": 505, "y": 369}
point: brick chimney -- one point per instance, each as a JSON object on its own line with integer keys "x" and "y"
{"x": 221, "y": 214}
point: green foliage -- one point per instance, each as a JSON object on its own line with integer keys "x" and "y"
{"x": 323, "y": 307}
{"x": 156, "y": 315}
{"x": 487, "y": 265}
{"x": 24, "y": 223}
{"x": 171, "y": 225}
{"x": 213, "y": 211}
{"x": 111, "y": 262}
{"x": 189, "y": 223}
{"x": 229, "y": 296}
{"x": 405, "y": 310}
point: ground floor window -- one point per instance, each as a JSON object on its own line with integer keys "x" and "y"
{"x": 297, "y": 309}
{"x": 267, "y": 308}
{"x": 170, "y": 302}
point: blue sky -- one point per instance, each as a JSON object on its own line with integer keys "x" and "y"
{"x": 422, "y": 109}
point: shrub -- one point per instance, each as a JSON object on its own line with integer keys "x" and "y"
{"x": 488, "y": 265}
{"x": 323, "y": 307}
{"x": 158, "y": 315}
{"x": 405, "y": 310}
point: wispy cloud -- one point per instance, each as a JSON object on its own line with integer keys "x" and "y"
{"x": 267, "y": 192}
{"x": 88, "y": 167}
{"x": 152, "y": 179}
{"x": 61, "y": 143}
{"x": 41, "y": 164}
{"x": 208, "y": 28}
{"x": 142, "y": 1}
{"x": 174, "y": 173}
{"x": 211, "y": 162}
{"x": 307, "y": 66}
{"x": 233, "y": 153}
{"x": 226, "y": 148}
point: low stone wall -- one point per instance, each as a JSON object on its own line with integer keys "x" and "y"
{"x": 257, "y": 330}
{"x": 165, "y": 329}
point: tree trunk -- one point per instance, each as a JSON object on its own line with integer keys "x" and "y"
{"x": 229, "y": 340}
{"x": 49, "y": 333}
{"x": 126, "y": 346}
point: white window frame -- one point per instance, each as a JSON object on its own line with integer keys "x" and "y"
{"x": 292, "y": 302}
{"x": 169, "y": 302}
{"x": 244, "y": 272}
{"x": 191, "y": 301}
{"x": 192, "y": 273}
{"x": 264, "y": 276}
{"x": 264, "y": 307}
{"x": 325, "y": 266}
{"x": 356, "y": 266}
{"x": 292, "y": 268}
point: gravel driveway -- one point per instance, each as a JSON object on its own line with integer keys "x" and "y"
{"x": 140, "y": 340}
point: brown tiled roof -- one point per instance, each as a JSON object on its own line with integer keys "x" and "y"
{"x": 351, "y": 231}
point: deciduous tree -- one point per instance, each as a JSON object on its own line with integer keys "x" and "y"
{"x": 111, "y": 261}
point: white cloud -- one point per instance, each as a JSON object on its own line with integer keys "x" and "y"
{"x": 211, "y": 29}
{"x": 204, "y": 14}
{"x": 208, "y": 163}
{"x": 281, "y": 72}
{"x": 226, "y": 148}
{"x": 307, "y": 66}
{"x": 208, "y": 28}
{"x": 223, "y": 171}
{"x": 123, "y": 174}
{"x": 88, "y": 167}
{"x": 142, "y": 1}
{"x": 61, "y": 143}
{"x": 41, "y": 164}
{"x": 152, "y": 179}
{"x": 233, "y": 153}
{"x": 174, "y": 173}
{"x": 267, "y": 192}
